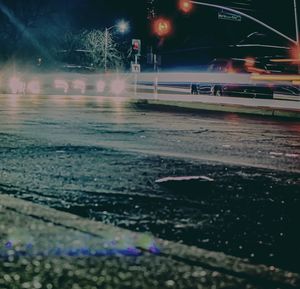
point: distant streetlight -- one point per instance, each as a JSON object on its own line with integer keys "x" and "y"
{"x": 122, "y": 27}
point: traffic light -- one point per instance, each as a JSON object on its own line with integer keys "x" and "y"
{"x": 185, "y": 6}
{"x": 162, "y": 27}
{"x": 136, "y": 47}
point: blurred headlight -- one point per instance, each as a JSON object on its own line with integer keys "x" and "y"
{"x": 118, "y": 86}
{"x": 16, "y": 85}
{"x": 80, "y": 85}
{"x": 101, "y": 85}
{"x": 61, "y": 84}
{"x": 34, "y": 87}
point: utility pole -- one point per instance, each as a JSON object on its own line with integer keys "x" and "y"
{"x": 135, "y": 75}
{"x": 296, "y": 23}
{"x": 122, "y": 28}
{"x": 156, "y": 63}
{"x": 136, "y": 47}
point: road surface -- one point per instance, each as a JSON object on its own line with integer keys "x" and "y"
{"x": 100, "y": 157}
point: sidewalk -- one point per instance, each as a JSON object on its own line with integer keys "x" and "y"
{"x": 45, "y": 248}
{"x": 268, "y": 107}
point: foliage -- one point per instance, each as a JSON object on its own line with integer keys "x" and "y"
{"x": 36, "y": 29}
{"x": 101, "y": 45}
{"x": 90, "y": 48}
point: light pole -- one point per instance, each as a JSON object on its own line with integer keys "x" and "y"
{"x": 122, "y": 27}
{"x": 162, "y": 27}
{"x": 296, "y": 23}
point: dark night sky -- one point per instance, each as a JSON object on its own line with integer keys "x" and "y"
{"x": 195, "y": 31}
{"x": 199, "y": 29}
{"x": 201, "y": 23}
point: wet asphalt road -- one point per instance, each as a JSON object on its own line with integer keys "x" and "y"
{"x": 99, "y": 158}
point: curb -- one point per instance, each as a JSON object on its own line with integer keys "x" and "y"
{"x": 233, "y": 108}
{"x": 17, "y": 213}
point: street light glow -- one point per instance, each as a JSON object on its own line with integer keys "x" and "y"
{"x": 16, "y": 85}
{"x": 101, "y": 86}
{"x": 118, "y": 86}
{"x": 34, "y": 87}
{"x": 79, "y": 85}
{"x": 123, "y": 26}
{"x": 61, "y": 84}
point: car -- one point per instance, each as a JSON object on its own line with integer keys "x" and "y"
{"x": 233, "y": 90}
{"x": 243, "y": 90}
{"x": 287, "y": 92}
{"x": 229, "y": 87}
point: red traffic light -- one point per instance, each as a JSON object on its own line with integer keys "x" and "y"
{"x": 185, "y": 6}
{"x": 136, "y": 46}
{"x": 162, "y": 27}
